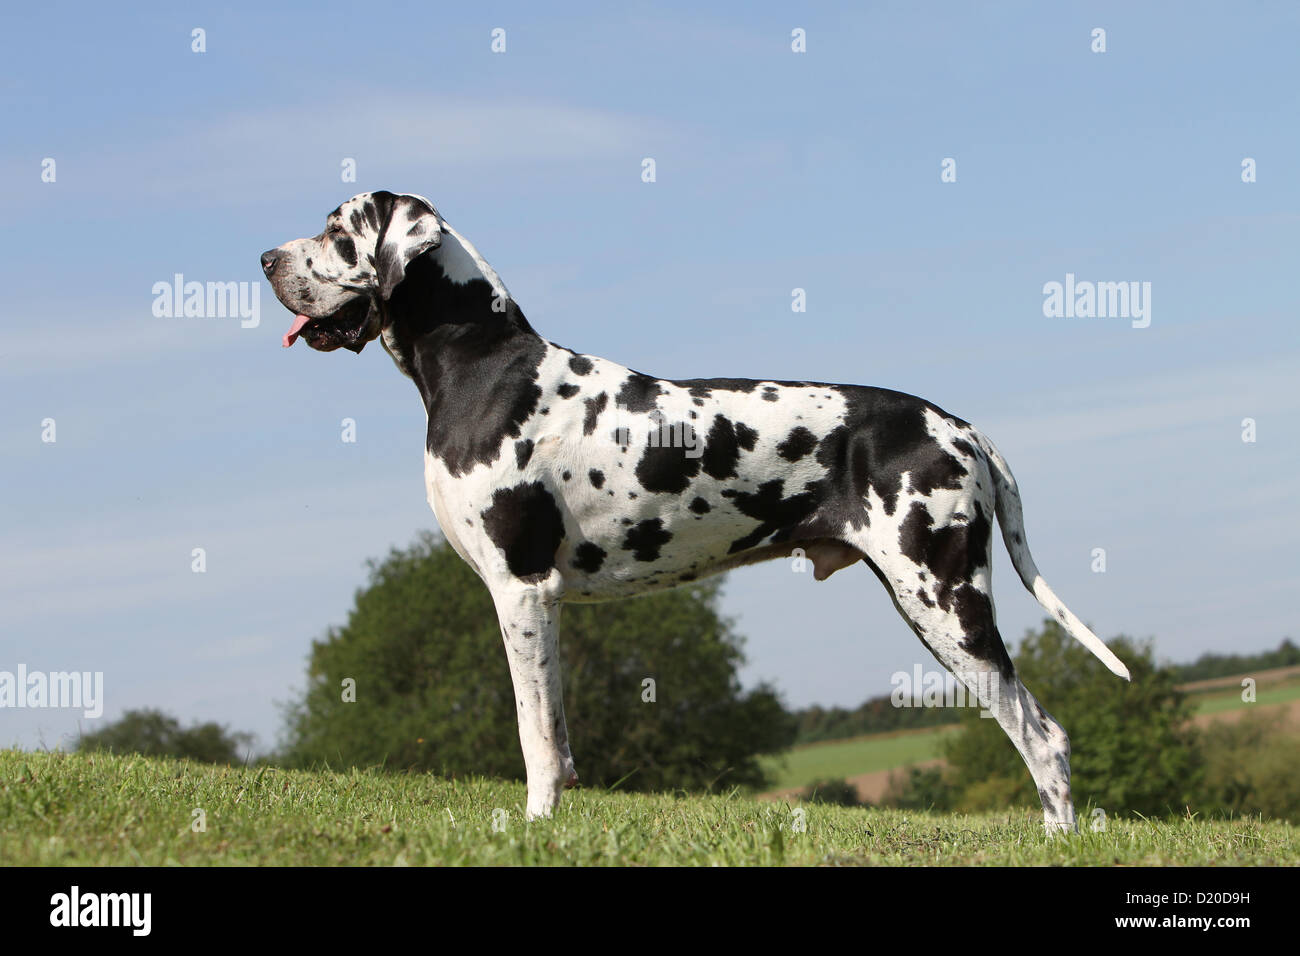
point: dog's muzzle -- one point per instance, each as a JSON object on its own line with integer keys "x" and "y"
{"x": 346, "y": 327}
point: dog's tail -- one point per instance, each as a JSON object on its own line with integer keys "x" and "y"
{"x": 1011, "y": 518}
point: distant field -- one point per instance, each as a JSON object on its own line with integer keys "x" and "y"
{"x": 1266, "y": 696}
{"x": 1274, "y": 676}
{"x": 836, "y": 759}
{"x": 861, "y": 756}
{"x": 103, "y": 810}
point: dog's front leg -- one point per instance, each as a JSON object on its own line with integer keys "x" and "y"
{"x": 530, "y": 622}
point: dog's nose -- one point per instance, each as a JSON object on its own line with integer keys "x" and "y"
{"x": 269, "y": 259}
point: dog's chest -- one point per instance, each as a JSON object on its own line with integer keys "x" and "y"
{"x": 450, "y": 501}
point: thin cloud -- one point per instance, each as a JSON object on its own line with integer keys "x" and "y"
{"x": 248, "y": 157}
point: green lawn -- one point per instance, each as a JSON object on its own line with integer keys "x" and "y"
{"x": 106, "y": 810}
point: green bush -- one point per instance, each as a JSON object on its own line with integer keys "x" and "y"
{"x": 920, "y": 788}
{"x": 155, "y": 734}
{"x": 433, "y": 690}
{"x": 1252, "y": 766}
{"x": 837, "y": 793}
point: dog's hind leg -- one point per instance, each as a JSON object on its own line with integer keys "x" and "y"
{"x": 951, "y": 611}
{"x": 530, "y": 620}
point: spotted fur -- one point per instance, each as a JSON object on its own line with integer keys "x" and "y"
{"x": 562, "y": 477}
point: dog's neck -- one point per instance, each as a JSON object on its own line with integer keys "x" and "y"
{"x": 452, "y": 327}
{"x": 461, "y": 262}
{"x": 450, "y": 300}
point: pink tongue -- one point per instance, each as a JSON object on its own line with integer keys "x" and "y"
{"x": 292, "y": 335}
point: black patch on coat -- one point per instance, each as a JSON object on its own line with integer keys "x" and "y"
{"x": 702, "y": 387}
{"x": 476, "y": 368}
{"x": 746, "y": 437}
{"x": 770, "y": 394}
{"x": 700, "y": 506}
{"x": 778, "y": 516}
{"x": 597, "y": 478}
{"x": 347, "y": 249}
{"x": 941, "y": 470}
{"x": 721, "y": 449}
{"x": 884, "y": 435}
{"x": 580, "y": 365}
{"x": 645, "y": 540}
{"x": 666, "y": 468}
{"x": 594, "y": 406}
{"x": 523, "y": 452}
{"x": 638, "y": 393}
{"x": 568, "y": 390}
{"x": 798, "y": 443}
{"x": 525, "y": 523}
{"x": 588, "y": 557}
{"x": 953, "y": 554}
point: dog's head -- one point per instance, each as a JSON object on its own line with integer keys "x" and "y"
{"x": 336, "y": 282}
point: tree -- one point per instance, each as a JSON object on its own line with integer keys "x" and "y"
{"x": 433, "y": 691}
{"x": 1132, "y": 748}
{"x": 1226, "y": 665}
{"x": 155, "y": 734}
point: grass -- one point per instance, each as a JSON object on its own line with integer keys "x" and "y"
{"x": 96, "y": 809}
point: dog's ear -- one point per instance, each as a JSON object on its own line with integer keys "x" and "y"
{"x": 408, "y": 228}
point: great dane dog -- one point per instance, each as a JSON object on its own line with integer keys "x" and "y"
{"x": 565, "y": 477}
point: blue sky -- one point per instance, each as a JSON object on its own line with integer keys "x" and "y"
{"x": 775, "y": 170}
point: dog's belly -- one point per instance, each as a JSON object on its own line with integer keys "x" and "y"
{"x": 637, "y": 559}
